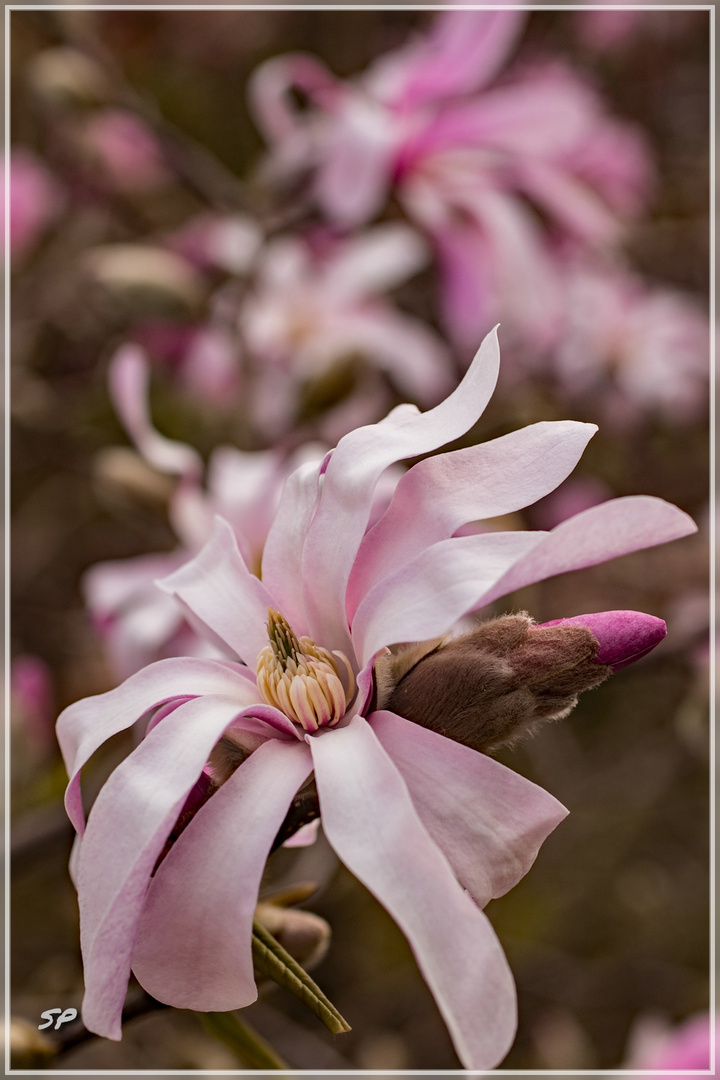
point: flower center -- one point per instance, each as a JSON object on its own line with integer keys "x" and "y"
{"x": 300, "y": 678}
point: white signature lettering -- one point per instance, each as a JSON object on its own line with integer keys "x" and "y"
{"x": 66, "y": 1015}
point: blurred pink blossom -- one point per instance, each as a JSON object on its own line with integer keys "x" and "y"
{"x": 31, "y": 691}
{"x": 125, "y": 149}
{"x": 471, "y": 162}
{"x": 35, "y": 200}
{"x": 316, "y": 301}
{"x": 642, "y": 348}
{"x": 656, "y": 1046}
{"x": 411, "y": 813}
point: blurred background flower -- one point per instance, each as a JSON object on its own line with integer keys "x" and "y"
{"x": 303, "y": 218}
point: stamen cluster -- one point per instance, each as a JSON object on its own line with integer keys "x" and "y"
{"x": 301, "y": 678}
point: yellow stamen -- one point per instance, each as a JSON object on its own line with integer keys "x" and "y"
{"x": 302, "y": 679}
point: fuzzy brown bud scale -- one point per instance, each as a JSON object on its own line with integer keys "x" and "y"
{"x": 494, "y": 685}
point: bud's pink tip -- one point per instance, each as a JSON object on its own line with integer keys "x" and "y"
{"x": 624, "y": 636}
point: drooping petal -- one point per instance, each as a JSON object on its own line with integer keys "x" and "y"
{"x": 369, "y": 819}
{"x": 128, "y": 378}
{"x": 441, "y": 493}
{"x": 193, "y": 948}
{"x": 127, "y": 828}
{"x": 352, "y": 473}
{"x": 603, "y": 532}
{"x": 488, "y": 820}
{"x": 223, "y": 594}
{"x": 427, "y": 596}
{"x": 87, "y": 724}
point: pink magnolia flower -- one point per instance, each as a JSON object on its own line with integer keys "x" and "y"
{"x": 431, "y": 827}
{"x": 471, "y": 162}
{"x": 35, "y": 200}
{"x": 641, "y": 348}
{"x": 317, "y": 301}
{"x": 657, "y": 1047}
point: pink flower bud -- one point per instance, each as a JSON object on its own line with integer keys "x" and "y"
{"x": 623, "y": 636}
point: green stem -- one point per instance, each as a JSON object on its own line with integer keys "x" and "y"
{"x": 271, "y": 960}
{"x": 250, "y": 1047}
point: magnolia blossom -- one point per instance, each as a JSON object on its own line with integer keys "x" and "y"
{"x": 433, "y": 828}
{"x": 35, "y": 200}
{"x": 316, "y": 301}
{"x": 656, "y": 1047}
{"x": 642, "y": 349}
{"x": 470, "y": 159}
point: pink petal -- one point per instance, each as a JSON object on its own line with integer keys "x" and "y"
{"x": 87, "y": 724}
{"x": 355, "y": 174}
{"x": 463, "y": 51}
{"x": 220, "y": 591}
{"x": 128, "y": 378}
{"x": 376, "y": 261}
{"x": 282, "y": 554}
{"x": 413, "y": 356}
{"x": 360, "y": 459}
{"x": 194, "y": 935}
{"x": 488, "y": 820}
{"x": 369, "y": 819}
{"x": 424, "y": 598}
{"x": 624, "y": 636}
{"x": 443, "y": 492}
{"x": 603, "y": 532}
{"x": 127, "y": 828}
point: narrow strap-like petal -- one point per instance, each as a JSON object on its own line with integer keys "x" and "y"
{"x": 369, "y": 819}
{"x": 426, "y": 597}
{"x": 127, "y": 829}
{"x": 349, "y": 482}
{"x": 443, "y": 492}
{"x": 223, "y": 594}
{"x": 87, "y": 724}
{"x": 462, "y": 52}
{"x": 282, "y": 555}
{"x": 488, "y": 820}
{"x": 128, "y": 378}
{"x": 603, "y": 532}
{"x": 193, "y": 948}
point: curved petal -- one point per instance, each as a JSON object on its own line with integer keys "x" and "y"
{"x": 369, "y": 819}
{"x": 427, "y": 596}
{"x": 488, "y": 820}
{"x": 603, "y": 532}
{"x": 220, "y": 591}
{"x": 127, "y": 829}
{"x": 442, "y": 493}
{"x": 376, "y": 261}
{"x": 462, "y": 52}
{"x": 87, "y": 724}
{"x": 282, "y": 555}
{"x": 128, "y": 378}
{"x": 352, "y": 473}
{"x": 193, "y": 948}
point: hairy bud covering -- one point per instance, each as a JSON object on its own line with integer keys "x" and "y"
{"x": 495, "y": 684}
